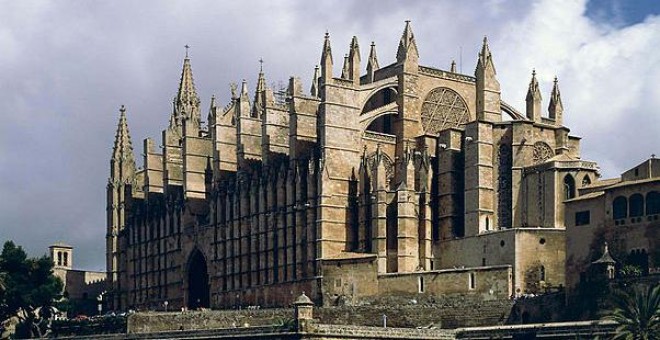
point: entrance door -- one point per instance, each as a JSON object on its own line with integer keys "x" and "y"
{"x": 198, "y": 281}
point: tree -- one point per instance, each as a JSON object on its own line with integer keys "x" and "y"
{"x": 637, "y": 312}
{"x": 27, "y": 283}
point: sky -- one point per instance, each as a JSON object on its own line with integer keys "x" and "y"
{"x": 67, "y": 66}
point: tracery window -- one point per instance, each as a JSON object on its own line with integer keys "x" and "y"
{"x": 443, "y": 108}
{"x": 542, "y": 152}
{"x": 504, "y": 187}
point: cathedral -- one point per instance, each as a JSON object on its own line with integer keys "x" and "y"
{"x": 402, "y": 179}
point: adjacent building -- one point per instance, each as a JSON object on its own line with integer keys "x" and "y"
{"x": 615, "y": 222}
{"x": 401, "y": 178}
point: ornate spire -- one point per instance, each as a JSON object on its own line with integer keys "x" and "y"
{"x": 556, "y": 108}
{"x": 372, "y": 63}
{"x": 373, "y": 59}
{"x": 354, "y": 61}
{"x": 345, "y": 70}
{"x": 314, "y": 90}
{"x": 259, "y": 100}
{"x": 123, "y": 161}
{"x": 407, "y": 44}
{"x": 485, "y": 57}
{"x": 533, "y": 99}
{"x": 326, "y": 58}
{"x": 533, "y": 91}
{"x": 186, "y": 102}
{"x": 488, "y": 88}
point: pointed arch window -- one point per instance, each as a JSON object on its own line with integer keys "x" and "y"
{"x": 569, "y": 187}
{"x": 586, "y": 181}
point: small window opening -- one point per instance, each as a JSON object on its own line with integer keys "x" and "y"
{"x": 542, "y": 273}
{"x": 420, "y": 284}
{"x": 472, "y": 281}
{"x": 66, "y": 259}
{"x": 59, "y": 258}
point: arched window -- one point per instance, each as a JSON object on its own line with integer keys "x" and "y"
{"x": 569, "y": 187}
{"x": 66, "y": 259}
{"x": 542, "y": 273}
{"x": 59, "y": 258}
{"x": 586, "y": 180}
{"x": 620, "y": 208}
{"x": 653, "y": 203}
{"x": 636, "y": 207}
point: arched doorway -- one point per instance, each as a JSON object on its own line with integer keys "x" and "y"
{"x": 198, "y": 281}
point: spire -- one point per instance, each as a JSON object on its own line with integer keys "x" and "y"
{"x": 372, "y": 63}
{"x": 345, "y": 69}
{"x": 354, "y": 61}
{"x": 122, "y": 163}
{"x": 488, "y": 88}
{"x": 187, "y": 102}
{"x": 210, "y": 119}
{"x": 407, "y": 45}
{"x": 314, "y": 90}
{"x": 326, "y": 59}
{"x": 533, "y": 99}
{"x": 486, "y": 58}
{"x": 556, "y": 108}
{"x": 259, "y": 95}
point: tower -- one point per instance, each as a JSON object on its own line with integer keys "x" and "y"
{"x": 62, "y": 255}
{"x": 119, "y": 188}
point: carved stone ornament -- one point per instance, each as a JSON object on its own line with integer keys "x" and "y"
{"x": 443, "y": 108}
{"x": 542, "y": 152}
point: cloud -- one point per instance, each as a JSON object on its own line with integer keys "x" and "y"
{"x": 67, "y": 66}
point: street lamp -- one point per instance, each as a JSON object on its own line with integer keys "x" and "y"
{"x": 100, "y": 301}
{"x": 165, "y": 304}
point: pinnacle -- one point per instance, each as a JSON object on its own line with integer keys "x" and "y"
{"x": 373, "y": 59}
{"x": 406, "y": 43}
{"x": 123, "y": 148}
{"x": 327, "y": 50}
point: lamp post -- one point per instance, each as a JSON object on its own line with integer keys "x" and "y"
{"x": 165, "y": 304}
{"x": 99, "y": 299}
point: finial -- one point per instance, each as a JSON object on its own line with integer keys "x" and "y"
{"x": 653, "y": 155}
{"x": 453, "y": 66}
{"x": 606, "y": 248}
{"x": 556, "y": 81}
{"x": 408, "y": 21}
{"x": 485, "y": 40}
{"x": 122, "y": 109}
{"x": 373, "y": 44}
{"x": 327, "y": 34}
{"x": 533, "y": 72}
{"x": 187, "y": 47}
{"x": 261, "y": 64}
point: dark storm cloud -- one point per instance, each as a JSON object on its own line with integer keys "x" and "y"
{"x": 66, "y": 67}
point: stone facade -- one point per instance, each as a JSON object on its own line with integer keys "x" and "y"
{"x": 402, "y": 173}
{"x": 622, "y": 214}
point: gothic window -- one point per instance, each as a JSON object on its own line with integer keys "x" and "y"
{"x": 620, "y": 208}
{"x": 569, "y": 187}
{"x": 59, "y": 258}
{"x": 586, "y": 180}
{"x": 542, "y": 152}
{"x": 504, "y": 191}
{"x": 443, "y": 108}
{"x": 653, "y": 203}
{"x": 636, "y": 207}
